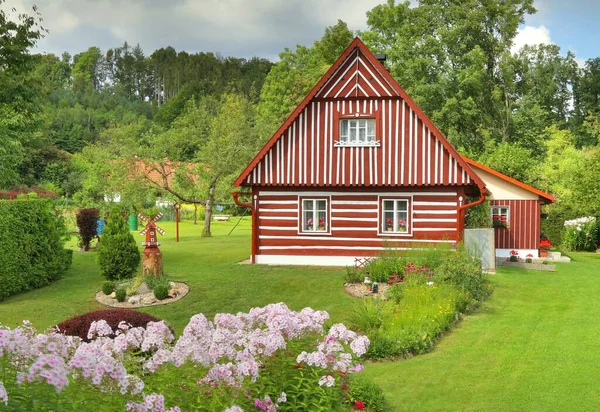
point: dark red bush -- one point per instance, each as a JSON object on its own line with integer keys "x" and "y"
{"x": 87, "y": 221}
{"x": 14, "y": 192}
{"x": 80, "y": 325}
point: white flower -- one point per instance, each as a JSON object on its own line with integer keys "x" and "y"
{"x": 429, "y": 283}
{"x": 282, "y": 398}
{"x": 327, "y": 380}
{"x": 3, "y": 394}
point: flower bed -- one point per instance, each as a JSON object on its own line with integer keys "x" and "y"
{"x": 269, "y": 359}
{"x": 427, "y": 290}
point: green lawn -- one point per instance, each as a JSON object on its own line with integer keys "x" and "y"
{"x": 534, "y": 345}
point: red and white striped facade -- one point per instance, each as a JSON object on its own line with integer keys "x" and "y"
{"x": 409, "y": 160}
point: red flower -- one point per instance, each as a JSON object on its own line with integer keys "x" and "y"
{"x": 359, "y": 405}
{"x": 344, "y": 387}
{"x": 297, "y": 366}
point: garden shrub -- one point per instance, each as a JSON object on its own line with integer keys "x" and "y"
{"x": 80, "y": 325}
{"x": 463, "y": 271}
{"x": 153, "y": 282}
{"x": 581, "y": 234}
{"x": 32, "y": 254}
{"x": 121, "y": 294}
{"x": 108, "y": 287}
{"x": 118, "y": 255}
{"x": 478, "y": 217}
{"x": 366, "y": 391}
{"x": 161, "y": 292}
{"x": 87, "y": 221}
{"x": 353, "y": 275}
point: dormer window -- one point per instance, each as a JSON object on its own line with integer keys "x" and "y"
{"x": 357, "y": 132}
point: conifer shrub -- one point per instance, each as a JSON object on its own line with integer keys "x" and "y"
{"x": 80, "y": 325}
{"x": 87, "y": 221}
{"x": 108, "y": 287}
{"x": 121, "y": 294}
{"x": 118, "y": 255}
{"x": 32, "y": 254}
{"x": 161, "y": 291}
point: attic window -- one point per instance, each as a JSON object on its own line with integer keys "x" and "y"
{"x": 357, "y": 132}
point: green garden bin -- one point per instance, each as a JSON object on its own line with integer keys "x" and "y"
{"x": 133, "y": 222}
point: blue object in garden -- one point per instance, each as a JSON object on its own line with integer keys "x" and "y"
{"x": 219, "y": 208}
{"x": 100, "y": 227}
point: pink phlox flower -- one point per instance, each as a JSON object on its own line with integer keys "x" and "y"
{"x": 99, "y": 328}
{"x": 265, "y": 404}
{"x": 360, "y": 345}
{"x": 327, "y": 380}
{"x": 50, "y": 368}
{"x": 233, "y": 408}
{"x": 151, "y": 403}
{"x": 3, "y": 394}
{"x": 156, "y": 336}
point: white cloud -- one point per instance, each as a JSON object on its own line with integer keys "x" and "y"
{"x": 531, "y": 35}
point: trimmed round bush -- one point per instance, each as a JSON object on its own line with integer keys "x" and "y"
{"x": 161, "y": 291}
{"x": 108, "y": 287}
{"x": 121, "y": 294}
{"x": 118, "y": 255}
{"x": 80, "y": 325}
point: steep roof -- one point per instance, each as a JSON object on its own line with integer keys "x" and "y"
{"x": 545, "y": 196}
{"x": 418, "y": 155}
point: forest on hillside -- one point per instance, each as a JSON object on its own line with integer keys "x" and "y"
{"x": 74, "y": 125}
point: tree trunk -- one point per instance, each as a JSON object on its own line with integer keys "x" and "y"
{"x": 195, "y": 213}
{"x": 208, "y": 208}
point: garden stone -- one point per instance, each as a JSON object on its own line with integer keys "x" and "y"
{"x": 143, "y": 288}
{"x": 134, "y": 300}
{"x": 147, "y": 300}
{"x": 113, "y": 295}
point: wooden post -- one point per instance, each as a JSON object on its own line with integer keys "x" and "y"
{"x": 177, "y": 206}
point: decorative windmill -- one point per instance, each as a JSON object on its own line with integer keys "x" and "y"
{"x": 151, "y": 257}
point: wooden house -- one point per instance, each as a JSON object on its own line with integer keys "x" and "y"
{"x": 356, "y": 168}
{"x": 515, "y": 211}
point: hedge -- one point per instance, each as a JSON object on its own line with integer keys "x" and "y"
{"x": 32, "y": 252}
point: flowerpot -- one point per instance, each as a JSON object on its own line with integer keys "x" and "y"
{"x": 543, "y": 253}
{"x": 402, "y": 230}
{"x": 389, "y": 229}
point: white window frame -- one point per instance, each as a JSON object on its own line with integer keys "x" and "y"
{"x": 315, "y": 211}
{"x": 360, "y": 123}
{"x": 382, "y": 224}
{"x": 496, "y": 210}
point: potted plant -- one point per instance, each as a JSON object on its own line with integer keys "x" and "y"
{"x": 498, "y": 223}
{"x": 402, "y": 225}
{"x": 514, "y": 256}
{"x": 321, "y": 224}
{"x": 389, "y": 225}
{"x": 309, "y": 224}
{"x": 545, "y": 245}
{"x": 529, "y": 258}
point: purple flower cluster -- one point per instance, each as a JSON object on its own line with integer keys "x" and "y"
{"x": 233, "y": 346}
{"x": 231, "y": 349}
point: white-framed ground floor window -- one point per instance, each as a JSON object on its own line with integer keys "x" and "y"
{"x": 395, "y": 216}
{"x": 500, "y": 216}
{"x": 314, "y": 216}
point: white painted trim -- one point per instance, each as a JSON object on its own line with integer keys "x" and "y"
{"x": 436, "y": 212}
{"x": 353, "y": 202}
{"x": 279, "y": 217}
{"x": 504, "y": 253}
{"x": 328, "y": 248}
{"x": 374, "y": 228}
{"x": 277, "y": 202}
{"x": 292, "y": 228}
{"x": 434, "y": 220}
{"x": 350, "y": 239}
{"x": 278, "y": 210}
{"x": 354, "y": 210}
{"x": 356, "y": 219}
{"x": 305, "y": 260}
{"x": 341, "y": 193}
{"x": 416, "y": 203}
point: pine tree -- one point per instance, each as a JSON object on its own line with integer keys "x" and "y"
{"x": 118, "y": 255}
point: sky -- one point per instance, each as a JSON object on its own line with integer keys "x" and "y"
{"x": 246, "y": 28}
